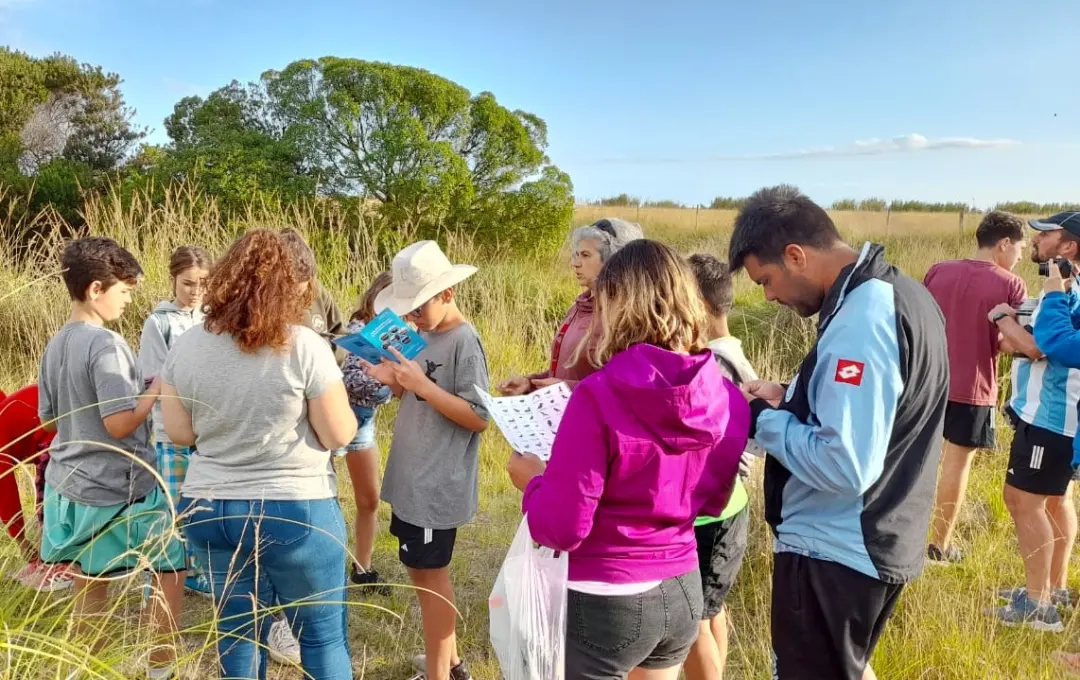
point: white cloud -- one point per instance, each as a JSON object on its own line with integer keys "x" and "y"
{"x": 180, "y": 87}
{"x": 874, "y": 147}
{"x": 911, "y": 143}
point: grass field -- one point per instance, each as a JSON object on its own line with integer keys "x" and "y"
{"x": 939, "y": 631}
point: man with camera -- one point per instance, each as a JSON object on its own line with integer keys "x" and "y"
{"x": 1046, "y": 389}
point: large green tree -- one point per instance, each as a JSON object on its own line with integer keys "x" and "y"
{"x": 427, "y": 151}
{"x": 233, "y": 147}
{"x": 64, "y": 130}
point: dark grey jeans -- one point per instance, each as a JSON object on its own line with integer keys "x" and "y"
{"x": 608, "y": 636}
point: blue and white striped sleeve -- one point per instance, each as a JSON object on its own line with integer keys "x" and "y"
{"x": 1054, "y": 332}
{"x": 854, "y": 391}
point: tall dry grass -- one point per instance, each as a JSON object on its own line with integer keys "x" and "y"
{"x": 939, "y": 632}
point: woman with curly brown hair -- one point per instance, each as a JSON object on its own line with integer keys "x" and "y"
{"x": 261, "y": 399}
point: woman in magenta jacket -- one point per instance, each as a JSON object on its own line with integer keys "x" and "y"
{"x": 647, "y": 443}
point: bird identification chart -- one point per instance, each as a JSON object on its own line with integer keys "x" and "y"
{"x": 529, "y": 422}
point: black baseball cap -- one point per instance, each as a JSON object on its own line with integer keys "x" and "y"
{"x": 1068, "y": 220}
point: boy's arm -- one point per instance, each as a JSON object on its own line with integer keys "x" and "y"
{"x": 124, "y": 423}
{"x": 471, "y": 369}
{"x": 1018, "y": 340}
{"x": 121, "y": 402}
{"x": 452, "y": 407}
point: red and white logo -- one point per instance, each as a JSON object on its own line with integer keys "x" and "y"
{"x": 849, "y": 372}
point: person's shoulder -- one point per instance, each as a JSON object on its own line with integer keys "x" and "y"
{"x": 309, "y": 343}
{"x": 304, "y": 338}
{"x": 196, "y": 336}
{"x": 464, "y": 335}
{"x": 101, "y": 338}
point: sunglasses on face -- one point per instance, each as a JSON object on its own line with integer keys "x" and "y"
{"x": 420, "y": 310}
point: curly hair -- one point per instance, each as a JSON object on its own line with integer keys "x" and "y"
{"x": 302, "y": 254}
{"x": 255, "y": 294}
{"x": 646, "y": 294}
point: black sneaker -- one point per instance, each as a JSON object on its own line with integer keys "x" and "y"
{"x": 369, "y": 579}
{"x": 950, "y": 555}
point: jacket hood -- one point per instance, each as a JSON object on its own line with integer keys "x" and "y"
{"x": 682, "y": 399}
{"x": 167, "y": 306}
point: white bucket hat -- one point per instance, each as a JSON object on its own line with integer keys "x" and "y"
{"x": 419, "y": 272}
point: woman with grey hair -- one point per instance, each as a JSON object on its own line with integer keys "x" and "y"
{"x": 591, "y": 246}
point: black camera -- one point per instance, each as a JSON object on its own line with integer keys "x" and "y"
{"x": 1063, "y": 265}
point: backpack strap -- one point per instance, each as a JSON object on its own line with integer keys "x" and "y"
{"x": 162, "y": 321}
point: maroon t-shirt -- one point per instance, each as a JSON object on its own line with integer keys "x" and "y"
{"x": 966, "y": 291}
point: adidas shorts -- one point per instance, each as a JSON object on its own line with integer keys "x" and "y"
{"x": 420, "y": 548}
{"x": 1040, "y": 461}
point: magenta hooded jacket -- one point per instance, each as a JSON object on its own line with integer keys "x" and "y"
{"x": 647, "y": 444}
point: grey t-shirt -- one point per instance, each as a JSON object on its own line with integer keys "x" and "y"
{"x": 432, "y": 471}
{"x": 250, "y": 416}
{"x": 87, "y": 374}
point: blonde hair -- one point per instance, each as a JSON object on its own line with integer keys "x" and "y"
{"x": 646, "y": 293}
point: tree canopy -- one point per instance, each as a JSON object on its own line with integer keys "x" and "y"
{"x": 427, "y": 151}
{"x": 64, "y": 128}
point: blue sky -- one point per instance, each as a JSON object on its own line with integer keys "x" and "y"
{"x": 687, "y": 100}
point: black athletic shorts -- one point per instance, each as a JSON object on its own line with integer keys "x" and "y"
{"x": 826, "y": 618}
{"x": 420, "y": 548}
{"x": 1040, "y": 461}
{"x": 970, "y": 426}
{"x": 721, "y": 547}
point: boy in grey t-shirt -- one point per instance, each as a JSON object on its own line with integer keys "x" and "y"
{"x": 104, "y": 512}
{"x": 431, "y": 478}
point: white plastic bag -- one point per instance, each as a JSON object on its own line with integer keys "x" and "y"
{"x": 527, "y": 609}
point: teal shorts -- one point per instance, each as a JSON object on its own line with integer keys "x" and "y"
{"x": 113, "y": 538}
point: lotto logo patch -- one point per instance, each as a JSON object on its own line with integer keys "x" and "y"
{"x": 849, "y": 372}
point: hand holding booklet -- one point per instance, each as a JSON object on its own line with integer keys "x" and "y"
{"x": 529, "y": 422}
{"x": 372, "y": 343}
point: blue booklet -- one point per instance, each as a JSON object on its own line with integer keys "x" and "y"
{"x": 386, "y": 330}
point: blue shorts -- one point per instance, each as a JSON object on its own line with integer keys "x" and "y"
{"x": 365, "y": 431}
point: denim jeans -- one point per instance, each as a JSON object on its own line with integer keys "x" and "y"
{"x": 265, "y": 552}
{"x": 609, "y": 635}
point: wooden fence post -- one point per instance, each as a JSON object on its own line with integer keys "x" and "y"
{"x": 960, "y": 234}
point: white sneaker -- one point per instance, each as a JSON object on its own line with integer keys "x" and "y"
{"x": 55, "y": 577}
{"x": 45, "y": 578}
{"x": 284, "y": 648}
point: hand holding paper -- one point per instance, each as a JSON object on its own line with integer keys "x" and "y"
{"x": 529, "y": 422}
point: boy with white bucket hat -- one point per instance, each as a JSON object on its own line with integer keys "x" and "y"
{"x": 432, "y": 471}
